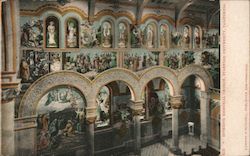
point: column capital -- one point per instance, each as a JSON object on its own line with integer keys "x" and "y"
{"x": 137, "y": 107}
{"x": 176, "y": 102}
{"x": 205, "y": 95}
{"x": 90, "y": 114}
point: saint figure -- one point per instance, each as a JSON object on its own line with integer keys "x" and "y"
{"x": 106, "y": 35}
{"x": 150, "y": 36}
{"x": 71, "y": 37}
{"x": 51, "y": 35}
{"x": 122, "y": 35}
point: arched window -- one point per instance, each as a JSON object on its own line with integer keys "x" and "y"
{"x": 113, "y": 102}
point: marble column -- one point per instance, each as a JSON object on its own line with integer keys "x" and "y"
{"x": 7, "y": 124}
{"x": 90, "y": 117}
{"x": 204, "y": 114}
{"x": 176, "y": 104}
{"x": 7, "y": 121}
{"x": 9, "y": 67}
{"x": 137, "y": 107}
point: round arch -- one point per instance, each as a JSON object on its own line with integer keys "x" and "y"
{"x": 165, "y": 73}
{"x": 198, "y": 71}
{"x": 37, "y": 90}
{"x": 108, "y": 12}
{"x": 61, "y": 10}
{"x": 117, "y": 74}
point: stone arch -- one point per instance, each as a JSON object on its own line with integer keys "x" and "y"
{"x": 198, "y": 71}
{"x": 117, "y": 74}
{"x": 42, "y": 85}
{"x": 108, "y": 12}
{"x": 158, "y": 18}
{"x": 191, "y": 21}
{"x": 57, "y": 8}
{"x": 165, "y": 73}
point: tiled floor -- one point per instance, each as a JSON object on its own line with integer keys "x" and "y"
{"x": 187, "y": 142}
{"x": 155, "y": 150}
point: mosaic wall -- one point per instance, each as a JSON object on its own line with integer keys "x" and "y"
{"x": 137, "y": 61}
{"x": 36, "y": 64}
{"x": 60, "y": 121}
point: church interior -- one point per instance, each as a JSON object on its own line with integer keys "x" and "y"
{"x": 110, "y": 77}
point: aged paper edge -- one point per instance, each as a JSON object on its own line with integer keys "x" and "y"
{"x": 235, "y": 119}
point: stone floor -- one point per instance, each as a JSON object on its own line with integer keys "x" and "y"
{"x": 187, "y": 143}
{"x": 155, "y": 150}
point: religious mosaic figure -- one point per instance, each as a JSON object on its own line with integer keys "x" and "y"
{"x": 32, "y": 33}
{"x": 24, "y": 70}
{"x": 150, "y": 37}
{"x": 186, "y": 37}
{"x": 103, "y": 107}
{"x": 122, "y": 35}
{"x": 136, "y": 37}
{"x": 197, "y": 37}
{"x": 107, "y": 36}
{"x": 88, "y": 62}
{"x": 56, "y": 63}
{"x": 60, "y": 122}
{"x": 163, "y": 36}
{"x": 38, "y": 64}
{"x": 211, "y": 39}
{"x": 52, "y": 32}
{"x": 72, "y": 30}
{"x": 88, "y": 36}
{"x": 187, "y": 58}
{"x": 172, "y": 61}
{"x": 176, "y": 39}
{"x": 139, "y": 60}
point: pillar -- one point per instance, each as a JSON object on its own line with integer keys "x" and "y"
{"x": 176, "y": 104}
{"x": 90, "y": 117}
{"x": 7, "y": 124}
{"x": 204, "y": 114}
{"x": 7, "y": 121}
{"x": 137, "y": 107}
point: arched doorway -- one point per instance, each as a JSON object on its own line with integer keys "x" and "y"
{"x": 156, "y": 96}
{"x": 113, "y": 124}
{"x": 157, "y": 109}
{"x": 61, "y": 121}
{"x": 190, "y": 114}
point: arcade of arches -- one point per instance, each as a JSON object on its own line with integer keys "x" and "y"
{"x": 98, "y": 77}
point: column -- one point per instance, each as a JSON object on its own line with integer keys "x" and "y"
{"x": 7, "y": 122}
{"x": 176, "y": 104}
{"x": 204, "y": 108}
{"x": 161, "y": 58}
{"x": 90, "y": 117}
{"x": 137, "y": 107}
